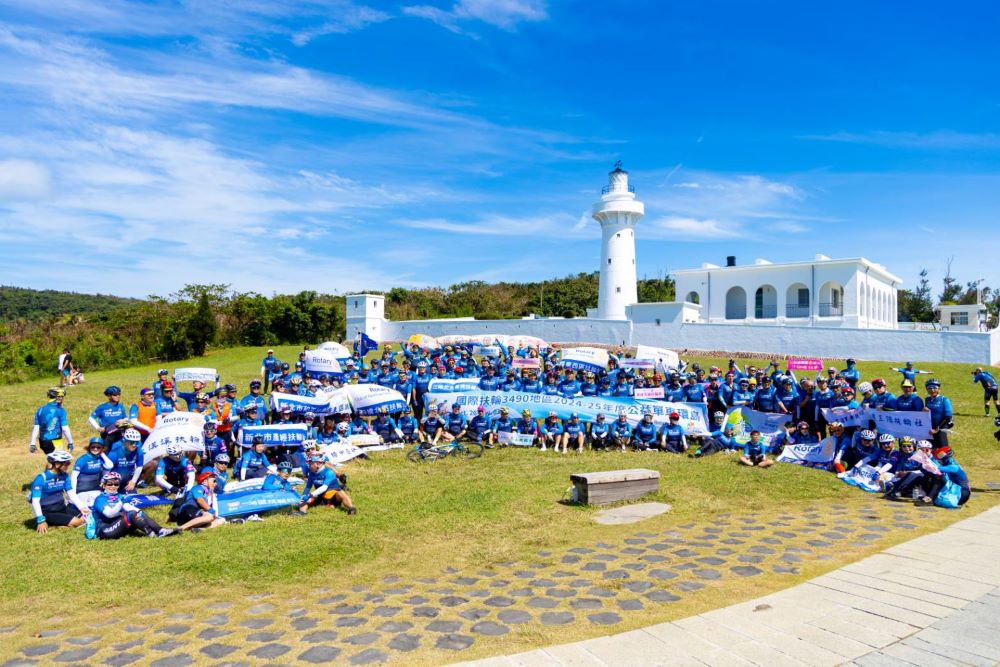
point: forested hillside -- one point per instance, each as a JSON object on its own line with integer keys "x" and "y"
{"x": 22, "y": 303}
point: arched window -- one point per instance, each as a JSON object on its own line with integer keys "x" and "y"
{"x": 831, "y": 300}
{"x": 692, "y": 297}
{"x": 765, "y": 303}
{"x": 797, "y": 301}
{"x": 736, "y": 303}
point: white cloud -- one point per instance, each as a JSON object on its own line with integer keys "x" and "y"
{"x": 555, "y": 225}
{"x": 504, "y": 14}
{"x": 936, "y": 140}
{"x": 349, "y": 19}
{"x": 23, "y": 179}
{"x": 673, "y": 227}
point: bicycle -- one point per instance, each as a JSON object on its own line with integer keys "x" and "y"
{"x": 465, "y": 450}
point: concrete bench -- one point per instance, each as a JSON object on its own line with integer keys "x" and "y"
{"x": 610, "y": 486}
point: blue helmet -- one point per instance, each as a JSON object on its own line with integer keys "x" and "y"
{"x": 933, "y": 383}
{"x": 113, "y": 390}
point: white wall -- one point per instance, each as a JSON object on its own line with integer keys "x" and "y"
{"x": 605, "y": 332}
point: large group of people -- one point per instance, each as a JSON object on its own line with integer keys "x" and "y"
{"x": 96, "y": 487}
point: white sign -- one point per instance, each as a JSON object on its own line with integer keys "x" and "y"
{"x": 336, "y": 349}
{"x": 177, "y": 428}
{"x": 322, "y": 361}
{"x": 363, "y": 439}
{"x": 339, "y": 452}
{"x": 515, "y": 439}
{"x": 181, "y": 418}
{"x": 593, "y": 359}
{"x": 638, "y": 363}
{"x": 898, "y": 423}
{"x": 817, "y": 452}
{"x": 649, "y": 392}
{"x": 663, "y": 357}
{"x": 206, "y": 375}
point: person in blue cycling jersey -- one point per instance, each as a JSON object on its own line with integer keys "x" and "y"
{"x": 385, "y": 427}
{"x": 408, "y": 425}
{"x": 49, "y": 494}
{"x": 721, "y": 439}
{"x": 480, "y": 427}
{"x": 162, "y": 375}
{"x": 851, "y": 374}
{"x": 220, "y": 466}
{"x": 166, "y": 402}
{"x": 323, "y": 487}
{"x": 279, "y": 480}
{"x": 268, "y": 366}
{"x": 51, "y": 424}
{"x": 754, "y": 452}
{"x": 908, "y": 401}
{"x": 621, "y": 431}
{"x": 431, "y": 428}
{"x": 941, "y": 413}
{"x": 213, "y": 444}
{"x": 85, "y": 480}
{"x": 455, "y": 424}
{"x": 944, "y": 458}
{"x": 764, "y": 399}
{"x": 574, "y": 432}
{"x": 174, "y": 473}
{"x": 600, "y": 432}
{"x": 550, "y": 432}
{"x": 117, "y": 518}
{"x": 198, "y": 510}
{"x": 254, "y": 463}
{"x": 909, "y": 372}
{"x": 989, "y": 389}
{"x": 109, "y": 418}
{"x": 882, "y": 398}
{"x": 645, "y": 432}
{"x": 502, "y": 424}
{"x": 672, "y": 436}
{"x": 126, "y": 459}
{"x": 526, "y": 425}
{"x": 254, "y": 398}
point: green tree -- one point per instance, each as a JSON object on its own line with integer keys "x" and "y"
{"x": 951, "y": 289}
{"x": 201, "y": 326}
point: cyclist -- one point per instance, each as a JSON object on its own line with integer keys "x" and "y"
{"x": 941, "y": 413}
{"x": 386, "y": 428}
{"x": 85, "y": 480}
{"x": 408, "y": 426}
{"x": 49, "y": 492}
{"x": 174, "y": 473}
{"x": 198, "y": 508}
{"x": 430, "y": 428}
{"x": 220, "y": 466}
{"x": 621, "y": 431}
{"x": 908, "y": 401}
{"x": 278, "y": 480}
{"x": 167, "y": 402}
{"x": 644, "y": 434}
{"x": 254, "y": 463}
{"x": 600, "y": 432}
{"x": 214, "y": 445}
{"x": 672, "y": 437}
{"x": 551, "y": 432}
{"x": 480, "y": 427}
{"x": 989, "y": 389}
{"x": 162, "y": 375}
{"x": 455, "y": 424}
{"x": 753, "y": 452}
{"x": 909, "y": 372}
{"x": 574, "y": 431}
{"x": 322, "y": 486}
{"x": 503, "y": 424}
{"x": 851, "y": 374}
{"x": 142, "y": 415}
{"x": 51, "y": 424}
{"x": 116, "y": 518}
{"x": 197, "y": 387}
{"x": 882, "y": 398}
{"x": 268, "y": 366}
{"x": 109, "y": 417}
{"x": 526, "y": 425}
{"x": 126, "y": 459}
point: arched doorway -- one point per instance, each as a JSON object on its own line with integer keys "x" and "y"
{"x": 765, "y": 303}
{"x": 736, "y": 304}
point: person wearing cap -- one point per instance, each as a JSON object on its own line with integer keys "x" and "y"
{"x": 510, "y": 383}
{"x": 672, "y": 436}
{"x": 786, "y": 398}
{"x": 109, "y": 417}
{"x": 251, "y": 416}
{"x": 883, "y": 399}
{"x": 526, "y": 425}
{"x": 529, "y": 382}
{"x": 51, "y": 424}
{"x": 989, "y": 389}
{"x": 162, "y": 375}
{"x": 570, "y": 387}
{"x": 644, "y": 433}
{"x": 385, "y": 427}
{"x": 455, "y": 424}
{"x": 502, "y": 424}
{"x": 213, "y": 444}
{"x": 764, "y": 399}
{"x": 942, "y": 415}
{"x": 904, "y": 465}
{"x": 908, "y": 401}
{"x": 127, "y": 459}
{"x": 742, "y": 395}
{"x": 621, "y": 431}
{"x": 909, "y": 372}
{"x": 359, "y": 426}
{"x": 420, "y": 383}
{"x": 944, "y": 459}
{"x": 803, "y": 434}
{"x": 197, "y": 387}
{"x": 323, "y": 486}
{"x": 254, "y": 463}
{"x": 431, "y": 428}
{"x": 851, "y": 374}
{"x": 489, "y": 381}
{"x": 916, "y": 471}
{"x": 279, "y": 479}
{"x": 480, "y": 428}
{"x": 822, "y": 398}
{"x": 166, "y": 402}
{"x": 268, "y": 366}
{"x": 574, "y": 431}
{"x": 116, "y": 518}
{"x": 350, "y": 370}
{"x": 551, "y": 432}
{"x": 754, "y": 452}
{"x": 254, "y": 398}
{"x": 600, "y": 432}
{"x": 408, "y": 425}
{"x": 197, "y": 510}
{"x": 721, "y": 439}
{"x": 220, "y": 468}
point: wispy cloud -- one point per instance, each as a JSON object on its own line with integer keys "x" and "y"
{"x": 553, "y": 225}
{"x": 948, "y": 140}
{"x": 694, "y": 229}
{"x": 23, "y": 179}
{"x": 504, "y": 14}
{"x": 348, "y": 19}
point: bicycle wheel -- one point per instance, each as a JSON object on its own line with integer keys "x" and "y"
{"x": 422, "y": 455}
{"x": 472, "y": 450}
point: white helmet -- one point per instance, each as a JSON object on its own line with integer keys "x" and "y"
{"x": 174, "y": 450}
{"x": 864, "y": 387}
{"x": 867, "y": 434}
{"x": 131, "y": 435}
{"x": 59, "y": 456}
{"x": 886, "y": 438}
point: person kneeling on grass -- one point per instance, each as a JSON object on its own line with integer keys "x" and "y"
{"x": 198, "y": 509}
{"x": 323, "y": 486}
{"x": 49, "y": 492}
{"x": 117, "y": 518}
{"x": 753, "y": 452}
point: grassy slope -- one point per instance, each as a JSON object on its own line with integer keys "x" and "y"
{"x": 501, "y": 507}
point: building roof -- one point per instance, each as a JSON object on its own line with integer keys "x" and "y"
{"x": 874, "y": 267}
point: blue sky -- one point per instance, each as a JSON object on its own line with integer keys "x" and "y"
{"x": 336, "y": 146}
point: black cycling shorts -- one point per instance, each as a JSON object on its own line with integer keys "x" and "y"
{"x": 989, "y": 394}
{"x": 59, "y": 515}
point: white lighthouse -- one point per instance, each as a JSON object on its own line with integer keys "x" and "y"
{"x": 618, "y": 211}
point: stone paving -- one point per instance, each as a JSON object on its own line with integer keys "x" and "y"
{"x": 597, "y": 586}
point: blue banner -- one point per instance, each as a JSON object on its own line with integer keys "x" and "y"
{"x": 300, "y": 405}
{"x": 745, "y": 420}
{"x": 254, "y": 501}
{"x": 275, "y": 435}
{"x": 142, "y": 500}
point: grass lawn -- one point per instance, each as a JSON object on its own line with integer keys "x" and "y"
{"x": 412, "y": 518}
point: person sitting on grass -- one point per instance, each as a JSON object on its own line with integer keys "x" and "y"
{"x": 455, "y": 424}
{"x": 220, "y": 466}
{"x": 526, "y": 425}
{"x": 503, "y": 424}
{"x": 720, "y": 440}
{"x": 323, "y": 487}
{"x": 430, "y": 429}
{"x": 278, "y": 481}
{"x": 85, "y": 480}
{"x": 551, "y": 432}
{"x": 904, "y": 466}
{"x": 174, "y": 473}
{"x": 116, "y": 518}
{"x": 944, "y": 458}
{"x": 600, "y": 432}
{"x": 408, "y": 425}
{"x": 753, "y": 452}
{"x": 574, "y": 431}
{"x": 672, "y": 438}
{"x": 621, "y": 431}
{"x": 479, "y": 427}
{"x": 198, "y": 509}
{"x": 254, "y": 463}
{"x": 49, "y": 492}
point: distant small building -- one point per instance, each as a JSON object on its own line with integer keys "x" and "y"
{"x": 852, "y": 293}
{"x": 969, "y": 317}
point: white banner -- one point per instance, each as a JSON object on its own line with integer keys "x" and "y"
{"x": 301, "y": 405}
{"x": 336, "y": 349}
{"x": 914, "y": 424}
{"x": 443, "y": 385}
{"x": 363, "y": 439}
{"x": 645, "y": 364}
{"x": 206, "y": 375}
{"x": 339, "y": 452}
{"x": 864, "y": 477}
{"x": 181, "y": 418}
{"x": 515, "y": 439}
{"x": 177, "y": 428}
{"x": 522, "y": 341}
{"x": 322, "y": 361}
{"x": 275, "y": 435}
{"x": 649, "y": 392}
{"x": 340, "y": 401}
{"x": 817, "y": 453}
{"x": 593, "y": 359}
{"x": 663, "y": 357}
{"x": 743, "y": 420}
{"x": 423, "y": 340}
{"x": 368, "y": 398}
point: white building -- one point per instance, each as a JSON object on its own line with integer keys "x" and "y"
{"x": 829, "y": 308}
{"x": 971, "y": 317}
{"x": 854, "y": 293}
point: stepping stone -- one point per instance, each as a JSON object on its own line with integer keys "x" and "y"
{"x": 332, "y": 599}
{"x": 82, "y": 641}
{"x": 368, "y": 656}
{"x": 478, "y": 593}
{"x": 605, "y": 618}
{"x": 688, "y": 586}
{"x": 601, "y": 592}
{"x": 425, "y": 612}
{"x": 218, "y": 650}
{"x": 751, "y": 559}
{"x": 906, "y": 526}
{"x": 711, "y": 560}
{"x": 349, "y": 621}
{"x": 395, "y": 626}
{"x": 216, "y": 619}
{"x": 466, "y": 581}
{"x": 818, "y": 543}
{"x": 514, "y": 616}
{"x": 176, "y": 660}
{"x": 399, "y": 590}
{"x": 761, "y": 550}
{"x": 630, "y": 605}
{"x": 746, "y": 570}
{"x": 319, "y": 654}
{"x": 556, "y": 618}
{"x": 363, "y": 639}
{"x": 261, "y": 608}
{"x": 474, "y": 614}
{"x": 616, "y": 574}
{"x": 542, "y": 603}
{"x": 522, "y": 592}
{"x": 635, "y": 567}
{"x": 833, "y": 535}
{"x": 499, "y": 601}
{"x": 560, "y": 593}
{"x": 304, "y": 623}
{"x": 638, "y": 586}
{"x": 209, "y": 634}
{"x": 39, "y": 649}
{"x": 320, "y": 636}
{"x": 790, "y": 558}
{"x": 175, "y": 629}
{"x": 346, "y": 609}
{"x": 444, "y": 626}
{"x": 594, "y": 567}
{"x": 486, "y": 573}
{"x": 586, "y": 604}
{"x": 607, "y": 558}
{"x": 524, "y": 574}
{"x": 258, "y": 596}
{"x": 377, "y": 599}
{"x": 653, "y": 558}
{"x": 385, "y": 611}
{"x": 581, "y": 550}
{"x": 662, "y": 574}
{"x": 542, "y": 583}
{"x": 57, "y": 633}
{"x": 490, "y": 629}
{"x": 662, "y": 596}
{"x": 708, "y": 574}
{"x": 405, "y": 643}
{"x": 685, "y": 553}
{"x": 579, "y": 583}
{"x": 118, "y": 660}
{"x": 685, "y": 566}
{"x": 569, "y": 560}
{"x": 785, "y": 534}
{"x": 390, "y": 579}
{"x": 731, "y": 540}
{"x": 771, "y": 540}
{"x": 416, "y": 600}
{"x": 256, "y": 623}
{"x": 453, "y": 642}
{"x": 264, "y": 636}
{"x": 168, "y": 645}
{"x": 127, "y": 645}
